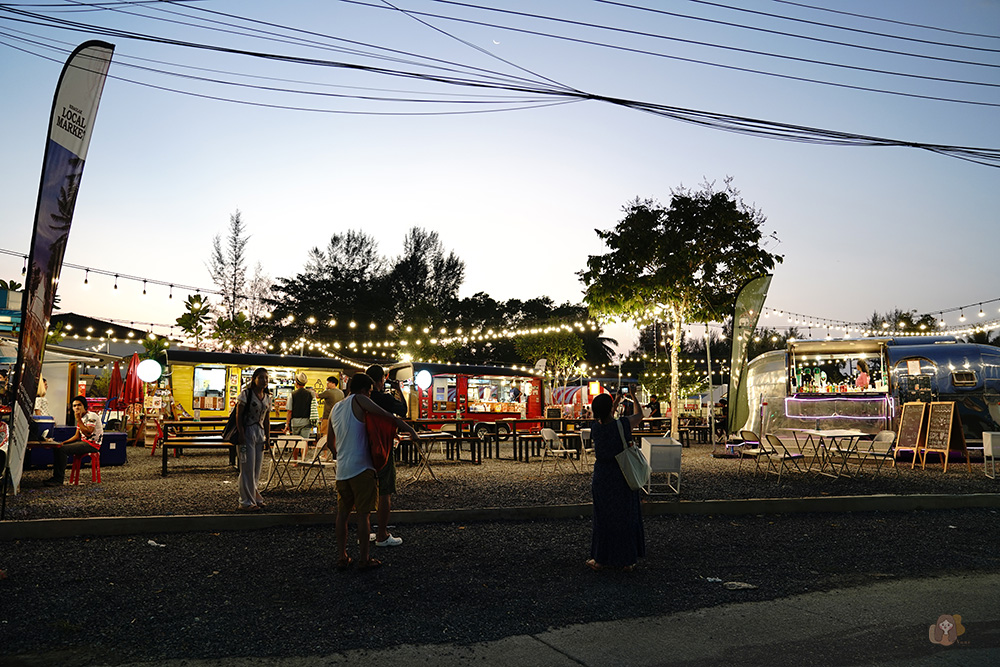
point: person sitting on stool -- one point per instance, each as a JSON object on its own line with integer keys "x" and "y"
{"x": 89, "y": 432}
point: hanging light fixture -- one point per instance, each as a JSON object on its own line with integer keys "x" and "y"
{"x": 116, "y": 281}
{"x": 962, "y": 318}
{"x": 171, "y": 296}
{"x": 981, "y": 313}
{"x": 86, "y": 277}
{"x": 144, "y": 288}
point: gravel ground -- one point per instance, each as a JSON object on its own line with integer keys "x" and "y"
{"x": 274, "y": 592}
{"x": 202, "y": 482}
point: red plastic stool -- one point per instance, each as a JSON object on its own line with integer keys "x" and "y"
{"x": 95, "y": 468}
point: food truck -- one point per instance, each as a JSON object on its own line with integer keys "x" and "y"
{"x": 485, "y": 394}
{"x": 206, "y": 384}
{"x": 814, "y": 383}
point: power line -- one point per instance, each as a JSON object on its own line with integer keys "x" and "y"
{"x": 732, "y": 123}
{"x": 822, "y": 25}
{"x": 877, "y": 18}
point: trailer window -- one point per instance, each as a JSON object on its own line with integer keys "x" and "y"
{"x": 209, "y": 381}
{"x": 963, "y": 378}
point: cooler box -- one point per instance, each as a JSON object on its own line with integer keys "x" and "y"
{"x": 112, "y": 449}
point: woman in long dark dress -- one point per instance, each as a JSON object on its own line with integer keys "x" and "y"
{"x": 618, "y": 537}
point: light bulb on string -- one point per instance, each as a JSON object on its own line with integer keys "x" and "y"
{"x": 962, "y": 318}
{"x": 144, "y": 288}
{"x": 86, "y": 278}
{"x": 116, "y": 281}
{"x": 24, "y": 269}
{"x": 981, "y": 313}
{"x": 171, "y": 296}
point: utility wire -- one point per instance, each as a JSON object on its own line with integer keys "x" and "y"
{"x": 744, "y": 125}
{"x": 877, "y": 18}
{"x": 814, "y": 23}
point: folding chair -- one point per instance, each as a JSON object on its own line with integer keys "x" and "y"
{"x": 318, "y": 464}
{"x": 752, "y": 449}
{"x": 778, "y": 452}
{"x": 880, "y": 449}
{"x": 553, "y": 445}
{"x": 586, "y": 448}
{"x": 989, "y": 463}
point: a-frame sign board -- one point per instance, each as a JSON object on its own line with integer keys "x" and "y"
{"x": 944, "y": 434}
{"x": 911, "y": 428}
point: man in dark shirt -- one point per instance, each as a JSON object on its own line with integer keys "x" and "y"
{"x": 297, "y": 420}
{"x": 387, "y": 476}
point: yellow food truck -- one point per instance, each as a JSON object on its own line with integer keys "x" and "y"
{"x": 206, "y": 384}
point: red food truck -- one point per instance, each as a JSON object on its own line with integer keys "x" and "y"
{"x": 486, "y": 394}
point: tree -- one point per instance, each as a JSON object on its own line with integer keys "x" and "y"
{"x": 155, "y": 348}
{"x": 425, "y": 279}
{"x": 683, "y": 263}
{"x": 562, "y": 351}
{"x": 194, "y": 321}
{"x": 901, "y": 320}
{"x": 227, "y": 266}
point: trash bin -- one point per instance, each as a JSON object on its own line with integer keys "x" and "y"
{"x": 664, "y": 456}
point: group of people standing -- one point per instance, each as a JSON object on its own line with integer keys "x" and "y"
{"x": 350, "y": 424}
{"x": 360, "y": 486}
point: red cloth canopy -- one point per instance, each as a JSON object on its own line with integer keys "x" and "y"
{"x": 133, "y": 392}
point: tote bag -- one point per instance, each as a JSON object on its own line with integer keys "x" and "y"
{"x": 634, "y": 466}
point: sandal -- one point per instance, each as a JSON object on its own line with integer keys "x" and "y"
{"x": 594, "y": 565}
{"x": 370, "y": 565}
{"x": 344, "y": 563}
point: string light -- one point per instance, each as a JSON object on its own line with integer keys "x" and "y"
{"x": 24, "y": 269}
{"x": 116, "y": 281}
{"x": 144, "y": 288}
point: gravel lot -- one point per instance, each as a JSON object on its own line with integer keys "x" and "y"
{"x": 202, "y": 482}
{"x": 273, "y": 592}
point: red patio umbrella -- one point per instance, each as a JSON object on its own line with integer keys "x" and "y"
{"x": 115, "y": 389}
{"x": 133, "y": 392}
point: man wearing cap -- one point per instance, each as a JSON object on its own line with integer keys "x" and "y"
{"x": 387, "y": 476}
{"x": 331, "y": 396}
{"x": 297, "y": 421}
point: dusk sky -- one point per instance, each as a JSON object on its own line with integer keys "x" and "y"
{"x": 518, "y": 193}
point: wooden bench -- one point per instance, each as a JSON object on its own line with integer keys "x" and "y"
{"x": 200, "y": 435}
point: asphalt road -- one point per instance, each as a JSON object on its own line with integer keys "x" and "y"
{"x": 827, "y": 589}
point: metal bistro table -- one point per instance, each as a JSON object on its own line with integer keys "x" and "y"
{"x": 829, "y": 445}
{"x": 281, "y": 454}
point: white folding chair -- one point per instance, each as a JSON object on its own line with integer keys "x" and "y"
{"x": 318, "y": 464}
{"x": 586, "y": 448}
{"x": 750, "y": 449}
{"x": 785, "y": 459}
{"x": 989, "y": 463}
{"x": 881, "y": 449}
{"x": 554, "y": 446}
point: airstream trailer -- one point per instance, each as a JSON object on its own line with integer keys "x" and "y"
{"x": 814, "y": 383}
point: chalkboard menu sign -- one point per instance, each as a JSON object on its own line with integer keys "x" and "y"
{"x": 911, "y": 426}
{"x": 939, "y": 426}
{"x": 944, "y": 433}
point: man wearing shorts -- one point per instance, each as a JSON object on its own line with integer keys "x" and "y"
{"x": 357, "y": 488}
{"x": 387, "y": 475}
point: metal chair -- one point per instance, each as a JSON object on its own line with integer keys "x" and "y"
{"x": 751, "y": 448}
{"x": 989, "y": 463}
{"x": 586, "y": 447}
{"x": 778, "y": 452}
{"x": 881, "y": 449}
{"x": 553, "y": 445}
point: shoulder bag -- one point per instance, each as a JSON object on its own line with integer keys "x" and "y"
{"x": 231, "y": 433}
{"x": 634, "y": 466}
